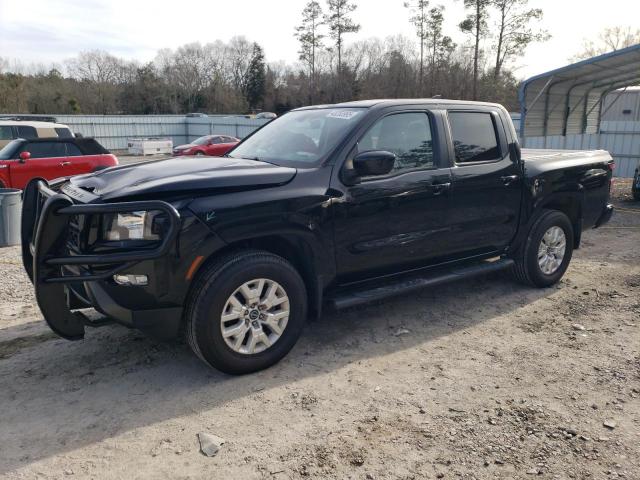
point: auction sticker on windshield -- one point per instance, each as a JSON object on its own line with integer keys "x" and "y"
{"x": 343, "y": 114}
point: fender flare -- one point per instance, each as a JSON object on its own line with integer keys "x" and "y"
{"x": 553, "y": 201}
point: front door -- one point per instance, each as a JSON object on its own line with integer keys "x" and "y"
{"x": 487, "y": 183}
{"x": 394, "y": 222}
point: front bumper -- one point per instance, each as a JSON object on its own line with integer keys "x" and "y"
{"x": 605, "y": 216}
{"x": 66, "y": 281}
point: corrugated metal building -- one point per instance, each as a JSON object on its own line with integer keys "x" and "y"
{"x": 568, "y": 107}
{"x": 112, "y": 131}
{"x": 622, "y": 105}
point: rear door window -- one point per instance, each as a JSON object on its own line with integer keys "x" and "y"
{"x": 474, "y": 137}
{"x": 73, "y": 150}
{"x": 26, "y": 132}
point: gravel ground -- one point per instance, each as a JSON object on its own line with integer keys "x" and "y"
{"x": 480, "y": 379}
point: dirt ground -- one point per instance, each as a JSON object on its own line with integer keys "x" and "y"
{"x": 480, "y": 379}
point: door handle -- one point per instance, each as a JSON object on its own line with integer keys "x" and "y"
{"x": 64, "y": 164}
{"x": 439, "y": 188}
{"x": 509, "y": 179}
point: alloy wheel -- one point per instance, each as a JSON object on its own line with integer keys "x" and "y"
{"x": 552, "y": 250}
{"x": 255, "y": 316}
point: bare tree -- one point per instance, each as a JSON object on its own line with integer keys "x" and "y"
{"x": 100, "y": 72}
{"x": 609, "y": 40}
{"x": 217, "y": 77}
{"x": 239, "y": 53}
{"x": 476, "y": 25}
{"x": 514, "y": 30}
{"x": 310, "y": 39}
{"x": 190, "y": 70}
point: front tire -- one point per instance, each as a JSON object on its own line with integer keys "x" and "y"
{"x": 547, "y": 251}
{"x": 246, "y": 312}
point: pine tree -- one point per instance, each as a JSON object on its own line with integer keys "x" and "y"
{"x": 340, "y": 24}
{"x": 476, "y": 25}
{"x": 310, "y": 40}
{"x": 256, "y": 78}
{"x": 419, "y": 20}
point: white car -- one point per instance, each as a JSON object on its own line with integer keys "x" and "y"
{"x": 12, "y": 129}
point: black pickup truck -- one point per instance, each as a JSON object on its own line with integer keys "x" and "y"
{"x": 332, "y": 206}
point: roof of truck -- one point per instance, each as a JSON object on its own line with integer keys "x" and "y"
{"x": 392, "y": 102}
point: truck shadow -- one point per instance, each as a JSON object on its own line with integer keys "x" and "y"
{"x": 59, "y": 396}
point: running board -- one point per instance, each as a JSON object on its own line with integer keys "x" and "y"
{"x": 393, "y": 287}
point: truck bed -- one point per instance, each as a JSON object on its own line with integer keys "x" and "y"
{"x": 540, "y": 160}
{"x": 543, "y": 154}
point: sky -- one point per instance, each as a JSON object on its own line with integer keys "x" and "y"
{"x": 50, "y": 31}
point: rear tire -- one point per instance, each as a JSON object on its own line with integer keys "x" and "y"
{"x": 199, "y": 154}
{"x": 219, "y": 291}
{"x": 541, "y": 262}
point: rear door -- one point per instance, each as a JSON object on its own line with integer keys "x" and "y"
{"x": 47, "y": 161}
{"x": 487, "y": 183}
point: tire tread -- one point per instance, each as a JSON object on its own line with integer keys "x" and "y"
{"x": 210, "y": 274}
{"x": 520, "y": 270}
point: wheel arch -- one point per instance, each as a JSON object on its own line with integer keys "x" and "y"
{"x": 299, "y": 251}
{"x": 571, "y": 204}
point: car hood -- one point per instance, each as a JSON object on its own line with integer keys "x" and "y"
{"x": 179, "y": 176}
{"x": 184, "y": 147}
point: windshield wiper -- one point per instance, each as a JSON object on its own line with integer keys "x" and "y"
{"x": 255, "y": 159}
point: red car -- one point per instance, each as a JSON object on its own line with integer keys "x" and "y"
{"x": 48, "y": 158}
{"x": 211, "y": 145}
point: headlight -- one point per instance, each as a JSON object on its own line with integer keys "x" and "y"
{"x": 132, "y": 226}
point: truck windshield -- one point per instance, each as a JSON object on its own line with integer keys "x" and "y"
{"x": 299, "y": 138}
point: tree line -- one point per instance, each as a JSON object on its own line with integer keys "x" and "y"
{"x": 234, "y": 76}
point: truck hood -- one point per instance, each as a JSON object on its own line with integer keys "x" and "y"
{"x": 161, "y": 178}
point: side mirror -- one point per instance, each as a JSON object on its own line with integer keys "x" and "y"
{"x": 374, "y": 162}
{"x": 24, "y": 156}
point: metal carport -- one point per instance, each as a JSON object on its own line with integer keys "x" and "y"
{"x": 569, "y": 100}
